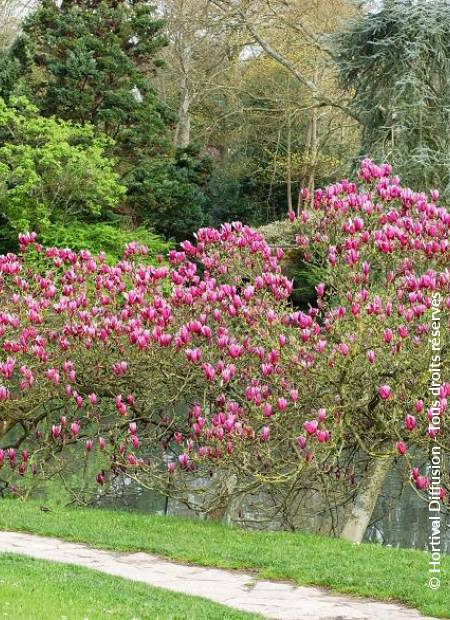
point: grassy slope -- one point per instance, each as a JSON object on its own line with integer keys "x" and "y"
{"x": 33, "y": 589}
{"x": 368, "y": 570}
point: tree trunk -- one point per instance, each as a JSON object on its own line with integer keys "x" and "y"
{"x": 183, "y": 129}
{"x": 218, "y": 514}
{"x": 289, "y": 163}
{"x": 356, "y": 524}
{"x": 304, "y": 170}
{"x": 313, "y": 155}
{"x": 226, "y": 495}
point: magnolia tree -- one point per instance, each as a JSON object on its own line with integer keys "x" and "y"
{"x": 108, "y": 356}
{"x": 382, "y": 252}
{"x": 202, "y": 367}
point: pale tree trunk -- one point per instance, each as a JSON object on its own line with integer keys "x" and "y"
{"x": 183, "y": 48}
{"x": 227, "y": 495}
{"x": 183, "y": 129}
{"x": 304, "y": 172}
{"x": 289, "y": 163}
{"x": 362, "y": 509}
{"x": 313, "y": 152}
{"x": 314, "y": 144}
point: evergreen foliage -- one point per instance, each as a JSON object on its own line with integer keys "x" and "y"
{"x": 397, "y": 63}
{"x": 91, "y": 61}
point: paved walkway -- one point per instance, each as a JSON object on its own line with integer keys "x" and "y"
{"x": 236, "y": 589}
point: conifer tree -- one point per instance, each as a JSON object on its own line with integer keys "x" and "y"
{"x": 396, "y": 60}
{"x": 92, "y": 61}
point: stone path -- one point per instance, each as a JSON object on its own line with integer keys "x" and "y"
{"x": 236, "y": 589}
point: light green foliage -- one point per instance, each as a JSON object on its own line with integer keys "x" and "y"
{"x": 51, "y": 170}
{"x": 105, "y": 237}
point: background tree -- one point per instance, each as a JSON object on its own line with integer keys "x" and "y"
{"x": 270, "y": 128}
{"x": 93, "y": 62}
{"x": 248, "y": 88}
{"x": 201, "y": 48}
{"x": 396, "y": 60}
{"x": 52, "y": 173}
{"x": 11, "y": 15}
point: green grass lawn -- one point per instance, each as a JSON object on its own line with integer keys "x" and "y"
{"x": 37, "y": 590}
{"x": 370, "y": 570}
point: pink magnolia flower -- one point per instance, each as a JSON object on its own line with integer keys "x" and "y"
{"x": 321, "y": 414}
{"x": 435, "y": 195}
{"x": 265, "y": 433}
{"x": 344, "y": 349}
{"x": 388, "y": 335}
{"x": 132, "y": 460}
{"x": 401, "y": 447}
{"x": 323, "y": 436}
{"x": 193, "y": 355}
{"x": 410, "y": 422}
{"x": 301, "y": 442}
{"x": 422, "y": 482}
{"x": 310, "y": 427}
{"x": 305, "y": 193}
{"x": 183, "y": 460}
{"x": 235, "y": 350}
{"x": 75, "y": 428}
{"x": 121, "y": 406}
{"x": 320, "y": 289}
{"x": 403, "y": 331}
{"x": 282, "y": 404}
{"x": 267, "y": 410}
{"x": 208, "y": 371}
{"x": 384, "y": 391}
